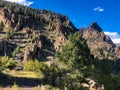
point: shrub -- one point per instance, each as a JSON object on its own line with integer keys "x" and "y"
{"x": 34, "y": 65}
{"x": 10, "y": 64}
{"x": 6, "y": 62}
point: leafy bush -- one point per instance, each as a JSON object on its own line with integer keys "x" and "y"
{"x": 34, "y": 65}
{"x": 6, "y": 62}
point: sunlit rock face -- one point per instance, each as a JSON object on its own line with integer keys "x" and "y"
{"x": 101, "y": 46}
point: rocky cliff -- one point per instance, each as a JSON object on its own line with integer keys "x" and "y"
{"x": 38, "y": 33}
{"x": 101, "y": 46}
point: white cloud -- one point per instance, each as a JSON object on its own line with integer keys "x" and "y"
{"x": 116, "y": 40}
{"x": 22, "y": 2}
{"x": 99, "y": 9}
{"x": 115, "y": 37}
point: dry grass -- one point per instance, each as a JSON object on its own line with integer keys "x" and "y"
{"x": 25, "y": 74}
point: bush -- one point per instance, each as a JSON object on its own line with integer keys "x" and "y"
{"x": 6, "y": 62}
{"x": 34, "y": 65}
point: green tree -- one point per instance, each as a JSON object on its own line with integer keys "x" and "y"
{"x": 76, "y": 58}
{"x": 75, "y": 53}
{"x": 16, "y": 51}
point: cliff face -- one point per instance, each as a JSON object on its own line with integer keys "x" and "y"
{"x": 117, "y": 52}
{"x": 38, "y": 33}
{"x": 100, "y": 44}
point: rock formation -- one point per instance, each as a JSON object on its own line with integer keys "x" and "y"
{"x": 38, "y": 33}
{"x": 101, "y": 46}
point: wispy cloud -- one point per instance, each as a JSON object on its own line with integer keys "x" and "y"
{"x": 114, "y": 36}
{"x": 22, "y": 2}
{"x": 99, "y": 9}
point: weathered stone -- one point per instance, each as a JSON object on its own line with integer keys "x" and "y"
{"x": 101, "y": 46}
{"x": 39, "y": 34}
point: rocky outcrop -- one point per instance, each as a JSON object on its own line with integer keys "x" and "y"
{"x": 101, "y": 46}
{"x": 117, "y": 52}
{"x": 38, "y": 33}
{"x": 3, "y": 46}
{"x": 45, "y": 46}
{"x": 95, "y": 26}
{"x": 6, "y": 48}
{"x": 8, "y": 17}
{"x": 19, "y": 23}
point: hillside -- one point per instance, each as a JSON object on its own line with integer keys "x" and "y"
{"x": 38, "y": 33}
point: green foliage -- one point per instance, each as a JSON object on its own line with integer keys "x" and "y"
{"x": 6, "y": 62}
{"x": 74, "y": 52}
{"x": 9, "y": 34}
{"x": 101, "y": 72}
{"x": 76, "y": 57}
{"x": 16, "y": 51}
{"x": 24, "y": 10}
{"x": 34, "y": 65}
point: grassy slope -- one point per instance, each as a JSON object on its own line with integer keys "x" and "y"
{"x": 24, "y": 74}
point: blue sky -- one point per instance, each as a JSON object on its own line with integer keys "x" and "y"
{"x": 83, "y": 12}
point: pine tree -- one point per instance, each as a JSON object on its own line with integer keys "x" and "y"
{"x": 76, "y": 57}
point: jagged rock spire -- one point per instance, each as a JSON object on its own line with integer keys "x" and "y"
{"x": 95, "y": 26}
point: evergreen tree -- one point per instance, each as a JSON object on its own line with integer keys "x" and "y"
{"x": 16, "y": 51}
{"x": 76, "y": 58}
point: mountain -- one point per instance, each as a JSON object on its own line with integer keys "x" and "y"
{"x": 100, "y": 45}
{"x": 81, "y": 59}
{"x": 37, "y": 33}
